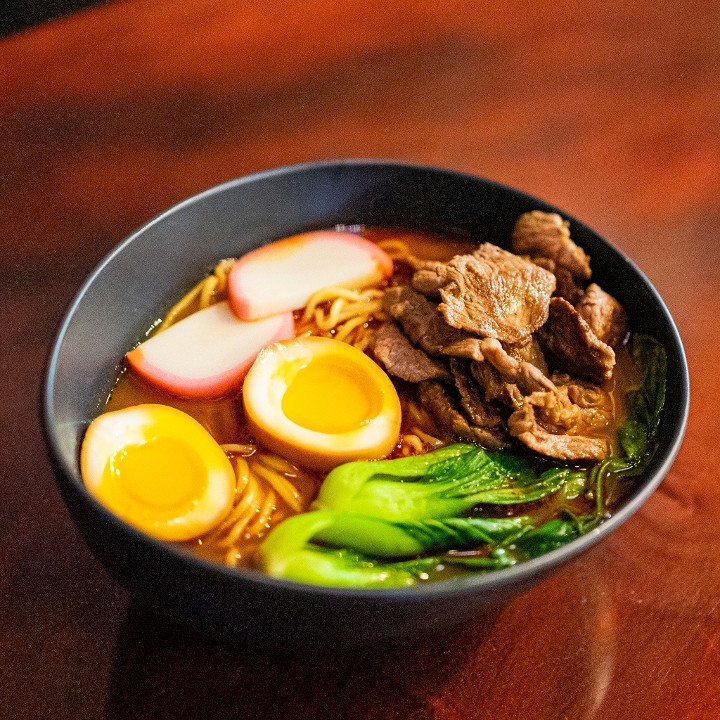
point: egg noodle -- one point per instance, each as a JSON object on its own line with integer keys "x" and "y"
{"x": 342, "y": 314}
{"x": 419, "y": 438}
{"x": 270, "y": 488}
{"x": 208, "y": 291}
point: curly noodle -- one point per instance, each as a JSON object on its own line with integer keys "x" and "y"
{"x": 268, "y": 489}
{"x": 209, "y": 290}
{"x": 342, "y": 314}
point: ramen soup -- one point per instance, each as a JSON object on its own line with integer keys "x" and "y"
{"x": 379, "y": 406}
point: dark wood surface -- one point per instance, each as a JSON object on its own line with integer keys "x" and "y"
{"x": 610, "y": 110}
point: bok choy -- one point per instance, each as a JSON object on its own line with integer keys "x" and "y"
{"x": 358, "y": 550}
{"x": 440, "y": 484}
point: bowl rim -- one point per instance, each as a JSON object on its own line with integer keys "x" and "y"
{"x": 458, "y": 586}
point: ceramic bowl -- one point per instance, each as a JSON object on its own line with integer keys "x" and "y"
{"x": 140, "y": 278}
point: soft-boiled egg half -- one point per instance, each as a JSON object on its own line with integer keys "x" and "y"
{"x": 158, "y": 469}
{"x": 321, "y": 402}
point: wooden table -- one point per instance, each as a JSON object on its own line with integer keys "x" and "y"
{"x": 609, "y": 110}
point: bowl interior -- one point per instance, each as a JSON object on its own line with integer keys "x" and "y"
{"x": 143, "y": 276}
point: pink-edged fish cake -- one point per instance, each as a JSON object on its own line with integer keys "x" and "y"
{"x": 283, "y": 275}
{"x": 208, "y": 353}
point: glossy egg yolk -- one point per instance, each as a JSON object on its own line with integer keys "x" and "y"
{"x": 321, "y": 402}
{"x": 159, "y": 470}
{"x": 328, "y": 397}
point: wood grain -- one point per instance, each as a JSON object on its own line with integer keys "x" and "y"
{"x": 609, "y": 110}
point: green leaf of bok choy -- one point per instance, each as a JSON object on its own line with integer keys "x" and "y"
{"x": 440, "y": 484}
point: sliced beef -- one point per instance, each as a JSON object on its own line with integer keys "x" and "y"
{"x": 596, "y": 404}
{"x": 529, "y": 352}
{"x": 571, "y": 346}
{"x": 478, "y": 411}
{"x": 604, "y": 314}
{"x": 480, "y": 333}
{"x": 428, "y": 282}
{"x": 525, "y": 375}
{"x": 547, "y": 235}
{"x": 420, "y": 319}
{"x": 566, "y": 287}
{"x": 504, "y": 379}
{"x": 425, "y": 327}
{"x": 401, "y": 359}
{"x": 417, "y": 263}
{"x": 495, "y": 294}
{"x": 495, "y": 389}
{"x": 470, "y": 347}
{"x": 565, "y": 284}
{"x": 567, "y": 423}
{"x": 576, "y": 408}
{"x": 524, "y": 425}
{"x": 435, "y": 396}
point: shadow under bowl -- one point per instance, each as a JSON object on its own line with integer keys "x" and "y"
{"x": 137, "y": 282}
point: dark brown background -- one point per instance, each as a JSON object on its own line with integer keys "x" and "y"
{"x": 610, "y": 110}
{"x": 17, "y": 15}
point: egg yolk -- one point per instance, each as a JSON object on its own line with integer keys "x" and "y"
{"x": 163, "y": 473}
{"x": 327, "y": 397}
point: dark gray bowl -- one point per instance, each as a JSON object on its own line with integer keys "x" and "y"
{"x": 160, "y": 261}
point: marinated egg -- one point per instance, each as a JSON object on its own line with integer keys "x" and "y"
{"x": 321, "y": 402}
{"x": 158, "y": 469}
